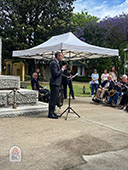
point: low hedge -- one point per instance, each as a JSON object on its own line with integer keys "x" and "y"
{"x": 82, "y": 79}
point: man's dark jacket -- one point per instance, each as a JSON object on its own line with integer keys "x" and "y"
{"x": 35, "y": 85}
{"x": 123, "y": 87}
{"x": 111, "y": 85}
{"x": 65, "y": 75}
{"x": 56, "y": 74}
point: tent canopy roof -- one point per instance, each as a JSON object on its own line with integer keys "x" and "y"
{"x": 72, "y": 47}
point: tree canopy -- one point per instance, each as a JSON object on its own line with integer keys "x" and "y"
{"x": 109, "y": 33}
{"x": 26, "y": 23}
{"x": 80, "y": 18}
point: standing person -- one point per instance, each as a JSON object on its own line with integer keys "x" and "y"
{"x": 104, "y": 76}
{"x": 55, "y": 83}
{"x": 65, "y": 82}
{"x": 114, "y": 74}
{"x": 38, "y": 74}
{"x": 94, "y": 82}
{"x": 68, "y": 73}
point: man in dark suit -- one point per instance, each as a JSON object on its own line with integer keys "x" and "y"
{"x": 35, "y": 86}
{"x": 55, "y": 83}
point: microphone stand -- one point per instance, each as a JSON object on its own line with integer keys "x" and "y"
{"x": 69, "y": 106}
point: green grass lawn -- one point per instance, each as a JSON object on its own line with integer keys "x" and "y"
{"x": 77, "y": 86}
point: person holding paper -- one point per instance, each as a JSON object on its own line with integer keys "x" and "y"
{"x": 66, "y": 76}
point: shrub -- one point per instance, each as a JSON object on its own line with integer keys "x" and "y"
{"x": 27, "y": 77}
{"x": 82, "y": 79}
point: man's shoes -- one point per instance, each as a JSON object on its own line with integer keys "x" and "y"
{"x": 126, "y": 110}
{"x": 56, "y": 115}
{"x": 114, "y": 105}
{"x": 96, "y": 100}
{"x": 93, "y": 99}
{"x": 52, "y": 116}
{"x": 107, "y": 102}
{"x": 121, "y": 108}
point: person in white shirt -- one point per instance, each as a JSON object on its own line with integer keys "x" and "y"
{"x": 104, "y": 76}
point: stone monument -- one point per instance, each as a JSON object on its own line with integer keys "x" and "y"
{"x": 15, "y": 101}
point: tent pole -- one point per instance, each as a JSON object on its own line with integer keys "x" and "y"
{"x": 70, "y": 61}
{"x": 52, "y": 55}
{"x": 125, "y": 55}
{"x": 69, "y": 54}
{"x": 117, "y": 67}
{"x": 124, "y": 62}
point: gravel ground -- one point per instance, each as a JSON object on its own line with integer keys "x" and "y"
{"x": 49, "y": 144}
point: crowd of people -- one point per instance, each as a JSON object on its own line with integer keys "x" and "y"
{"x": 110, "y": 91}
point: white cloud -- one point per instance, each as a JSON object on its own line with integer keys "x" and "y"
{"x": 101, "y": 10}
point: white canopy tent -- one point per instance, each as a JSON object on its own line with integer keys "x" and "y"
{"x": 70, "y": 45}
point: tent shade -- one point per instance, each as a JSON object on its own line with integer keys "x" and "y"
{"x": 70, "y": 45}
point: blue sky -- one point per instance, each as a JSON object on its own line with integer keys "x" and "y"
{"x": 101, "y": 8}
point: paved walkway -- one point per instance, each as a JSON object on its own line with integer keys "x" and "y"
{"x": 96, "y": 141}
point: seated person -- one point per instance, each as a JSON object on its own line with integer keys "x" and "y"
{"x": 36, "y": 86}
{"x": 118, "y": 87}
{"x": 106, "y": 85}
{"x": 124, "y": 100}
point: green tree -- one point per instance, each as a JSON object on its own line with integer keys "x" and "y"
{"x": 80, "y": 19}
{"x": 109, "y": 33}
{"x": 26, "y": 23}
